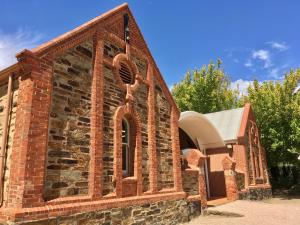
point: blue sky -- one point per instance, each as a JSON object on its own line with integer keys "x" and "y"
{"x": 256, "y": 39}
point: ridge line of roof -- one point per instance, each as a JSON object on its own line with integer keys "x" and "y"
{"x": 227, "y": 110}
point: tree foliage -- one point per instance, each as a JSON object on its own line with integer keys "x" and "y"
{"x": 277, "y": 110}
{"x": 276, "y": 106}
{"x": 205, "y": 90}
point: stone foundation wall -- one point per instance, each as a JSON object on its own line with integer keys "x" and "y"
{"x": 69, "y": 124}
{"x": 256, "y": 194}
{"x": 159, "y": 213}
{"x": 240, "y": 180}
{"x": 11, "y": 127}
{"x": 163, "y": 140}
{"x": 194, "y": 209}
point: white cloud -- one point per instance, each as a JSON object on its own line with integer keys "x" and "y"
{"x": 241, "y": 85}
{"x": 248, "y": 63}
{"x": 274, "y": 73}
{"x": 12, "y": 43}
{"x": 279, "y": 71}
{"x": 263, "y": 55}
{"x": 281, "y": 46}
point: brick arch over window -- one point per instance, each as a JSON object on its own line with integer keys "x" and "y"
{"x": 127, "y": 112}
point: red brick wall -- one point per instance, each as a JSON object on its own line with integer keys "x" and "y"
{"x": 216, "y": 171}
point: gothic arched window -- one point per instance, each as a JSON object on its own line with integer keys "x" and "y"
{"x": 126, "y": 146}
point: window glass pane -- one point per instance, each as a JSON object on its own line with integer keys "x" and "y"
{"x": 124, "y": 158}
{"x": 124, "y": 132}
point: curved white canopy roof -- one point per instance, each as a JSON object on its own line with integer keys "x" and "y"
{"x": 228, "y": 123}
{"x": 200, "y": 129}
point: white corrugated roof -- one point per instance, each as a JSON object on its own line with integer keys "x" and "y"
{"x": 227, "y": 123}
{"x": 200, "y": 130}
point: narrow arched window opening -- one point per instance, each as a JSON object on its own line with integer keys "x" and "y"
{"x": 125, "y": 147}
{"x": 128, "y": 147}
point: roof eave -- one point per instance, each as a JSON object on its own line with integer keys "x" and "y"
{"x": 56, "y": 41}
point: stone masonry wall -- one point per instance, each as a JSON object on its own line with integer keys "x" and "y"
{"x": 111, "y": 50}
{"x": 11, "y": 128}
{"x": 240, "y": 180}
{"x": 113, "y": 97}
{"x": 159, "y": 213}
{"x": 142, "y": 109}
{"x": 163, "y": 140}
{"x": 190, "y": 183}
{"x": 141, "y": 65}
{"x": 69, "y": 124}
{"x": 256, "y": 194}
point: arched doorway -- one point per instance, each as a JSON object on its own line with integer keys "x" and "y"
{"x": 197, "y": 131}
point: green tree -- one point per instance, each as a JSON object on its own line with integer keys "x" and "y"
{"x": 205, "y": 90}
{"x": 276, "y": 105}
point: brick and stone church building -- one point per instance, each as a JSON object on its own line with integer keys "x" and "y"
{"x": 90, "y": 135}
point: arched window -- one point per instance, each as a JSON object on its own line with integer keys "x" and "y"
{"x": 125, "y": 147}
{"x": 128, "y": 146}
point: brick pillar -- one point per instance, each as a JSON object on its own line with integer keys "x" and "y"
{"x": 242, "y": 150}
{"x": 265, "y": 166}
{"x": 196, "y": 160}
{"x": 261, "y": 170}
{"x": 202, "y": 185}
{"x": 230, "y": 180}
{"x": 138, "y": 153}
{"x": 152, "y": 131}
{"x": 252, "y": 157}
{"x": 118, "y": 174}
{"x": 176, "y": 150}
{"x": 96, "y": 165}
{"x": 30, "y": 139}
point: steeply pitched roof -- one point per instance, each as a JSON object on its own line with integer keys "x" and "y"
{"x": 80, "y": 29}
{"x": 106, "y": 21}
{"x": 227, "y": 123}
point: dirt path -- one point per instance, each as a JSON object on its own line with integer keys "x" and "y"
{"x": 275, "y": 211}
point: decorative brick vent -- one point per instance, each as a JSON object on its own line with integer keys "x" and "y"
{"x": 126, "y": 74}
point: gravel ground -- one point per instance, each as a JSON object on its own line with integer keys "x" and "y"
{"x": 275, "y": 211}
